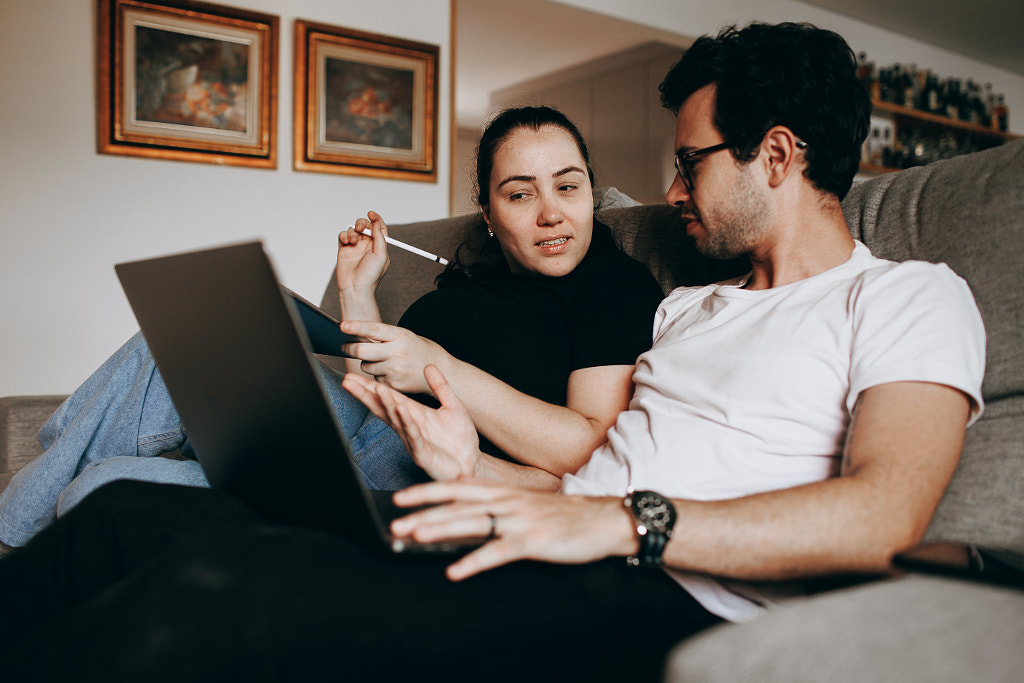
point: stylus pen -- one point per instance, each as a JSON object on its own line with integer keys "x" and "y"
{"x": 407, "y": 247}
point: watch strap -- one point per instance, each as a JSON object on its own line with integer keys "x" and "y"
{"x": 652, "y": 541}
{"x": 652, "y": 547}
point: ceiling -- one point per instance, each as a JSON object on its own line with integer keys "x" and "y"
{"x": 986, "y": 30}
{"x": 527, "y": 39}
{"x": 499, "y": 44}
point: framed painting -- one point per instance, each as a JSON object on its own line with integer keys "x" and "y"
{"x": 187, "y": 81}
{"x": 365, "y": 104}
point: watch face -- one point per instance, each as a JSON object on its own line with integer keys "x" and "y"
{"x": 654, "y": 511}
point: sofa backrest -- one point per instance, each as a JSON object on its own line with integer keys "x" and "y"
{"x": 967, "y": 212}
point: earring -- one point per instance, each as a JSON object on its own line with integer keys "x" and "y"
{"x": 490, "y": 233}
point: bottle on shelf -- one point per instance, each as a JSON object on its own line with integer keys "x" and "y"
{"x": 1001, "y": 115}
{"x": 924, "y": 90}
{"x": 901, "y": 137}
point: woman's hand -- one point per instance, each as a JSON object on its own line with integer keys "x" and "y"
{"x": 362, "y": 260}
{"x": 394, "y": 355}
{"x": 443, "y": 442}
{"x": 523, "y": 524}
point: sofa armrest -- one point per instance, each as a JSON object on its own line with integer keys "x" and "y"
{"x": 20, "y": 419}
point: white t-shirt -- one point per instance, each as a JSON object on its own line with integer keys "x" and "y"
{"x": 751, "y": 391}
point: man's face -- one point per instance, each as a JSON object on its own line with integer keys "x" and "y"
{"x": 726, "y": 212}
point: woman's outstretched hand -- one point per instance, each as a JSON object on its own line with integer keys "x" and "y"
{"x": 442, "y": 441}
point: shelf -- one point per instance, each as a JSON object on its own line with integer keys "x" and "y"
{"x": 904, "y": 117}
{"x": 876, "y": 170}
{"x": 940, "y": 120}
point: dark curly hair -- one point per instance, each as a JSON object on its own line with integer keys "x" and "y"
{"x": 479, "y": 255}
{"x": 791, "y": 74}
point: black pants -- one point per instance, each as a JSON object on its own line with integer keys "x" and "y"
{"x": 152, "y": 582}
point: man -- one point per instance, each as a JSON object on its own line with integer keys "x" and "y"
{"x": 800, "y": 421}
{"x": 822, "y": 362}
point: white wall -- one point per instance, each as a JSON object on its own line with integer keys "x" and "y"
{"x": 67, "y": 214}
{"x": 697, "y": 17}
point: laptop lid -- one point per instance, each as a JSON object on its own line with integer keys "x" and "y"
{"x": 238, "y": 369}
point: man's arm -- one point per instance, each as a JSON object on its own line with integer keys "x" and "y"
{"x": 902, "y": 448}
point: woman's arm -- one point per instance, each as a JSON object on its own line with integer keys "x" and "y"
{"x": 556, "y": 439}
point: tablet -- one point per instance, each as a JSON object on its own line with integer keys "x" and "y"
{"x": 325, "y": 337}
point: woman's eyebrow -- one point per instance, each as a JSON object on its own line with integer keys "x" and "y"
{"x": 566, "y": 170}
{"x": 514, "y": 178}
{"x": 532, "y": 179}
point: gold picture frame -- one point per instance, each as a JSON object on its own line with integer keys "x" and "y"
{"x": 187, "y": 81}
{"x": 365, "y": 104}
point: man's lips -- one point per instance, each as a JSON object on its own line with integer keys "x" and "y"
{"x": 690, "y": 220}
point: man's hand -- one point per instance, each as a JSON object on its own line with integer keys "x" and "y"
{"x": 443, "y": 442}
{"x": 527, "y": 525}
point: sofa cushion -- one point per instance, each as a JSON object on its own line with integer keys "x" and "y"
{"x": 20, "y": 419}
{"x": 914, "y": 629}
{"x": 968, "y": 212}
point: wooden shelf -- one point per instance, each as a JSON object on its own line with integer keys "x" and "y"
{"x": 939, "y": 120}
{"x": 874, "y": 169}
{"x": 904, "y": 117}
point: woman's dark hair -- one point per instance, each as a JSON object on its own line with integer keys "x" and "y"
{"x": 789, "y": 74}
{"x": 478, "y": 254}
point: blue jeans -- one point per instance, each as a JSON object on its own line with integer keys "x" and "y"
{"x": 122, "y": 416}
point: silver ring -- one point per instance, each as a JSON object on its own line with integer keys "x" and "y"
{"x": 494, "y": 526}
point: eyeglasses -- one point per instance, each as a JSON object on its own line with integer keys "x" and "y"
{"x": 686, "y": 162}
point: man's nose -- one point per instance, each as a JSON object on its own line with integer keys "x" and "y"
{"x": 677, "y": 194}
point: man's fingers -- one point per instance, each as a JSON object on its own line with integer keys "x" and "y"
{"x": 363, "y": 390}
{"x": 389, "y": 401}
{"x": 410, "y": 427}
{"x": 439, "y": 522}
{"x": 464, "y": 490}
{"x": 439, "y": 386}
{"x": 488, "y": 556}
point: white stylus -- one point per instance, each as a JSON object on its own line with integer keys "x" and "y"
{"x": 407, "y": 247}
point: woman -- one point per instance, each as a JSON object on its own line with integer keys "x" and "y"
{"x": 522, "y": 332}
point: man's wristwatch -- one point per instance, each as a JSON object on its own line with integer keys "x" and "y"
{"x": 653, "y": 517}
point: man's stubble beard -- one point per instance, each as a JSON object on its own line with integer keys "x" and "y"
{"x": 733, "y": 227}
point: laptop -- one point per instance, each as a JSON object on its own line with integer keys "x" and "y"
{"x": 231, "y": 347}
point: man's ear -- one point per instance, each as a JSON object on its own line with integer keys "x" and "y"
{"x": 784, "y": 154}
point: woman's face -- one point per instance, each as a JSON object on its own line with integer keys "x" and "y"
{"x": 542, "y": 205}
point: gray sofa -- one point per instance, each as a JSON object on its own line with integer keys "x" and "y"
{"x": 967, "y": 212}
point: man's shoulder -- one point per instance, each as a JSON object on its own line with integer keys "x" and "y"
{"x": 912, "y": 278}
